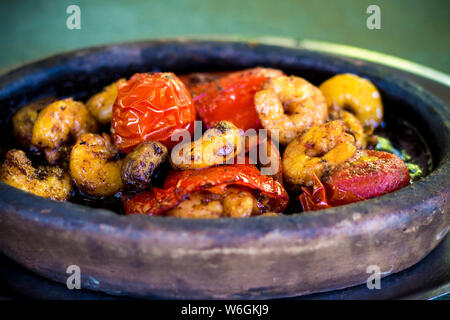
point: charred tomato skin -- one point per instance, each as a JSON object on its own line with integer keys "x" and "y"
{"x": 368, "y": 175}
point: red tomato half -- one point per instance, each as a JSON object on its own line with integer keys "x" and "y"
{"x": 370, "y": 174}
{"x": 231, "y": 97}
{"x": 151, "y": 106}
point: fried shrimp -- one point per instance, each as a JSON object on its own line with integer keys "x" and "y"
{"x": 217, "y": 145}
{"x": 23, "y": 121}
{"x": 318, "y": 151}
{"x": 101, "y": 104}
{"x": 57, "y": 123}
{"x": 235, "y": 203}
{"x": 93, "y": 165}
{"x": 290, "y": 105}
{"x": 263, "y": 152}
{"x": 359, "y": 95}
{"x": 44, "y": 181}
{"x": 139, "y": 165}
{"x": 198, "y": 205}
{"x": 355, "y": 128}
{"x": 239, "y": 203}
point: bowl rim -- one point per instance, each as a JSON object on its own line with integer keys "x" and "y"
{"x": 62, "y": 214}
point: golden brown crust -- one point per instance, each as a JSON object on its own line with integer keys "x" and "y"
{"x": 60, "y": 122}
{"x": 100, "y": 105}
{"x": 23, "y": 120}
{"x": 316, "y": 152}
{"x": 288, "y": 106}
{"x": 349, "y": 91}
{"x": 217, "y": 145}
{"x": 93, "y": 165}
{"x": 234, "y": 203}
{"x": 140, "y": 164}
{"x": 45, "y": 181}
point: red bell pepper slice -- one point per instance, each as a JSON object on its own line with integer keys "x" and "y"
{"x": 231, "y": 97}
{"x": 180, "y": 184}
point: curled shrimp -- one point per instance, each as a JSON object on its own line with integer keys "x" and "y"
{"x": 93, "y": 165}
{"x": 23, "y": 121}
{"x": 140, "y": 164}
{"x": 217, "y": 145}
{"x": 317, "y": 151}
{"x": 239, "y": 203}
{"x": 44, "y": 181}
{"x": 354, "y": 127}
{"x": 263, "y": 152}
{"x": 290, "y": 105}
{"x": 101, "y": 104}
{"x": 357, "y": 94}
{"x": 57, "y": 123}
{"x": 234, "y": 203}
{"x": 198, "y": 205}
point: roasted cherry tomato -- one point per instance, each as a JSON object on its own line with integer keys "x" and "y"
{"x": 151, "y": 106}
{"x": 370, "y": 174}
{"x": 180, "y": 184}
{"x": 231, "y": 97}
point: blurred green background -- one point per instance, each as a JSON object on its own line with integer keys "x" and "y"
{"x": 416, "y": 30}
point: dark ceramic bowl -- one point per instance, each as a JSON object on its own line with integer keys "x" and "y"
{"x": 261, "y": 257}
